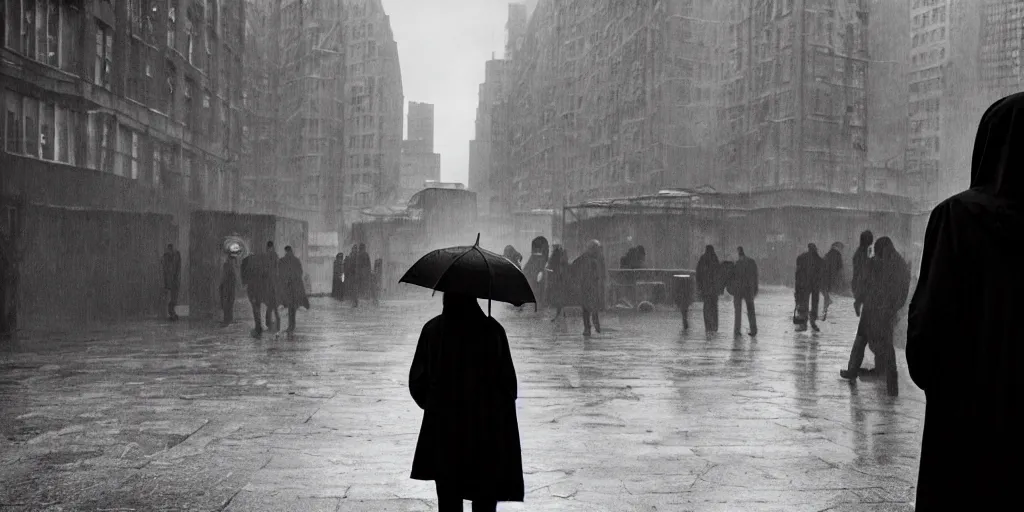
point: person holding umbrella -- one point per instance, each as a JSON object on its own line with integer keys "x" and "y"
{"x": 463, "y": 378}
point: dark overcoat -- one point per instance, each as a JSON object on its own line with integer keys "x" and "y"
{"x": 588, "y": 278}
{"x": 964, "y": 342}
{"x": 292, "y": 291}
{"x": 463, "y": 378}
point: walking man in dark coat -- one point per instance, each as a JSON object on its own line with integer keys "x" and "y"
{"x": 860, "y": 260}
{"x": 744, "y": 291}
{"x": 259, "y": 275}
{"x": 172, "y": 279}
{"x": 964, "y": 328}
{"x": 292, "y": 289}
{"x": 808, "y": 287}
{"x": 352, "y": 284}
{"x": 886, "y": 286}
{"x": 228, "y": 283}
{"x": 832, "y": 272}
{"x": 588, "y": 273}
{"x": 708, "y": 286}
{"x": 463, "y": 378}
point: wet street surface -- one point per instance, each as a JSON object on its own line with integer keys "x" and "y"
{"x": 642, "y": 417}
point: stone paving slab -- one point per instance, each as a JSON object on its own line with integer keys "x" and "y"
{"x": 642, "y": 417}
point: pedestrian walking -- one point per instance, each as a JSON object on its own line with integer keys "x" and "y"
{"x": 172, "y": 279}
{"x": 831, "y": 276}
{"x": 259, "y": 275}
{"x": 807, "y": 288}
{"x": 964, "y": 328}
{"x": 228, "y": 283}
{"x": 352, "y": 284}
{"x": 463, "y": 378}
{"x": 744, "y": 283}
{"x": 860, "y": 259}
{"x": 292, "y": 290}
{"x": 588, "y": 272}
{"x": 338, "y": 277}
{"x": 534, "y": 269}
{"x": 708, "y": 286}
{"x": 885, "y": 290}
{"x": 559, "y": 281}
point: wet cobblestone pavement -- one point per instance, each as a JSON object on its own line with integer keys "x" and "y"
{"x": 642, "y": 417}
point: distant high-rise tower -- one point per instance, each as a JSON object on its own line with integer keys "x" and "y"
{"x": 419, "y": 162}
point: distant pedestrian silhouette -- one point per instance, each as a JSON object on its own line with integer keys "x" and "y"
{"x": 964, "y": 338}
{"x": 463, "y": 378}
{"x": 707, "y": 285}
{"x": 744, "y": 289}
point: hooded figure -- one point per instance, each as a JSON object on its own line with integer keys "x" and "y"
{"x": 807, "y": 287}
{"x": 708, "y": 287}
{"x": 885, "y": 291}
{"x": 588, "y": 273}
{"x": 513, "y": 255}
{"x": 964, "y": 333}
{"x": 463, "y": 378}
{"x": 559, "y": 282}
{"x": 860, "y": 259}
{"x": 534, "y": 269}
{"x": 292, "y": 291}
{"x": 259, "y": 275}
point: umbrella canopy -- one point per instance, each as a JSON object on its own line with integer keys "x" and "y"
{"x": 473, "y": 271}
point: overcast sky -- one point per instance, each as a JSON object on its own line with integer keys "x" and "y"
{"x": 443, "y": 46}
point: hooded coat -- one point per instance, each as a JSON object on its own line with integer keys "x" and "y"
{"x": 463, "y": 378}
{"x": 707, "y": 274}
{"x": 964, "y": 330}
{"x": 588, "y": 275}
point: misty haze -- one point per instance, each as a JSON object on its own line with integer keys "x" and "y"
{"x": 560, "y": 255}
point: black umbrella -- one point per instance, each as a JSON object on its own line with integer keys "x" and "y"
{"x": 473, "y": 271}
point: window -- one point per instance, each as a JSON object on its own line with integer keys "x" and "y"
{"x": 65, "y": 148}
{"x": 171, "y": 76}
{"x": 122, "y": 156}
{"x": 49, "y": 32}
{"x": 134, "y": 156}
{"x": 172, "y": 24}
{"x": 28, "y": 27}
{"x": 46, "y": 131}
{"x": 70, "y": 38}
{"x": 190, "y": 40}
{"x": 104, "y": 54}
{"x": 156, "y": 164}
{"x": 31, "y": 112}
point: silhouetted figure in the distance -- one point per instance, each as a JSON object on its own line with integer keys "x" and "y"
{"x": 463, "y": 378}
{"x": 338, "y": 277}
{"x": 964, "y": 341}
{"x": 259, "y": 275}
{"x": 744, "y": 284}
{"x": 588, "y": 272}
{"x": 292, "y": 290}
{"x": 808, "y": 287}
{"x": 559, "y": 283}
{"x": 172, "y": 279}
{"x": 831, "y": 274}
{"x": 886, "y": 288}
{"x": 707, "y": 285}
{"x": 860, "y": 260}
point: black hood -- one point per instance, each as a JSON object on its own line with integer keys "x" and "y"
{"x": 997, "y": 167}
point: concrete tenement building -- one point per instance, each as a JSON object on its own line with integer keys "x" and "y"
{"x": 419, "y": 162}
{"x": 373, "y": 119}
{"x": 964, "y": 56}
{"x": 481, "y": 147}
{"x": 120, "y": 118}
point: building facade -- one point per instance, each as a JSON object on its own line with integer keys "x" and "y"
{"x": 120, "y": 118}
{"x": 480, "y": 148}
{"x": 419, "y": 162}
{"x": 324, "y": 111}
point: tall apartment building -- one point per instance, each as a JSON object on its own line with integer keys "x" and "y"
{"x": 800, "y": 122}
{"x": 375, "y": 100}
{"x": 419, "y": 162}
{"x": 480, "y": 148}
{"x": 116, "y": 109}
{"x": 965, "y": 55}
{"x": 324, "y": 107}
{"x": 502, "y": 169}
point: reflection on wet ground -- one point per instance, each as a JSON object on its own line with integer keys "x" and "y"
{"x": 157, "y": 416}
